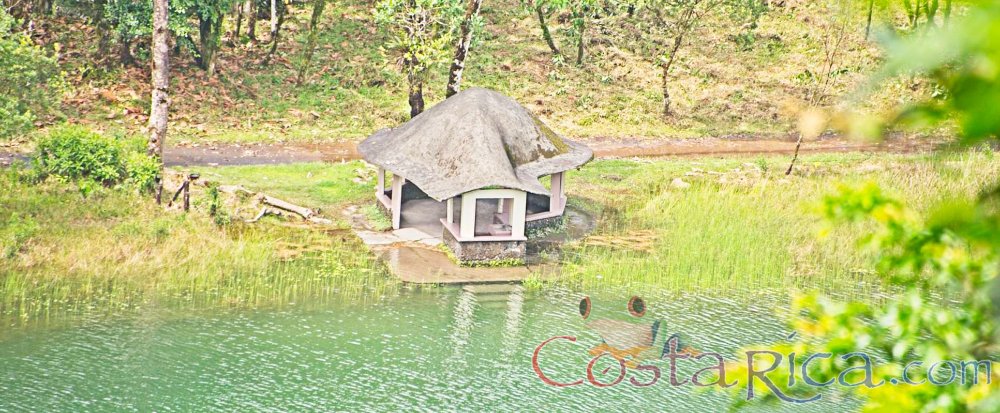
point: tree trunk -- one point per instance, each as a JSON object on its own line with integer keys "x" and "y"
{"x": 311, "y": 40}
{"x": 251, "y": 8}
{"x": 238, "y": 12}
{"x": 104, "y": 32}
{"x": 666, "y": 73}
{"x": 458, "y": 64}
{"x": 208, "y": 32}
{"x": 580, "y": 39}
{"x": 908, "y": 8}
{"x": 276, "y": 34}
{"x": 44, "y": 7}
{"x": 666, "y": 91}
{"x": 274, "y": 19}
{"x": 868, "y": 25}
{"x": 947, "y": 13}
{"x": 931, "y": 10}
{"x": 795, "y": 156}
{"x": 545, "y": 28}
{"x": 125, "y": 51}
{"x": 416, "y": 93}
{"x": 161, "y": 82}
{"x": 104, "y": 44}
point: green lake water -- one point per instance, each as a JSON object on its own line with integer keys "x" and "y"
{"x": 416, "y": 349}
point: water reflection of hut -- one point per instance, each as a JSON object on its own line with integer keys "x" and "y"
{"x": 472, "y": 166}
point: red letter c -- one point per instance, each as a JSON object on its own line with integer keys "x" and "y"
{"x": 538, "y": 369}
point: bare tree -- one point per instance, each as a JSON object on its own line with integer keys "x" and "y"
{"x": 238, "y": 13}
{"x": 278, "y": 10}
{"x": 677, "y": 18}
{"x": 310, "y": 40}
{"x": 462, "y": 50}
{"x": 541, "y": 9}
{"x": 834, "y": 33}
{"x": 161, "y": 81}
{"x": 868, "y": 23}
{"x": 251, "y": 9}
{"x": 580, "y": 24}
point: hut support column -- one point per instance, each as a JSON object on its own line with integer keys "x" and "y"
{"x": 380, "y": 188}
{"x": 467, "y": 226}
{"x": 397, "y": 199}
{"x": 558, "y": 199}
{"x": 505, "y": 207}
{"x": 518, "y": 213}
{"x": 451, "y": 210}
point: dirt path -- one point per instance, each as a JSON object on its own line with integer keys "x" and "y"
{"x": 273, "y": 153}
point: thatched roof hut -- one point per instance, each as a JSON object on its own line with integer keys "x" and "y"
{"x": 483, "y": 154}
{"x": 476, "y": 139}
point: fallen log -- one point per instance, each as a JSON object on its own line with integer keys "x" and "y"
{"x": 287, "y": 206}
{"x": 263, "y": 211}
{"x": 306, "y": 213}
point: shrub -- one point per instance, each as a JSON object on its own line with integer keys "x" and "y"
{"x": 30, "y": 80}
{"x": 77, "y": 153}
{"x": 141, "y": 171}
{"x": 74, "y": 152}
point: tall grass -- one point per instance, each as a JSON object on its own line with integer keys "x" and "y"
{"x": 741, "y": 225}
{"x": 116, "y": 249}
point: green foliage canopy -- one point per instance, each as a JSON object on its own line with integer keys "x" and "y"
{"x": 422, "y": 32}
{"x": 945, "y": 263}
{"x": 30, "y": 80}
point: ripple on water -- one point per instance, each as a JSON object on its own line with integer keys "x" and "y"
{"x": 434, "y": 349}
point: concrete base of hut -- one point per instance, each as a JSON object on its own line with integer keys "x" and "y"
{"x": 485, "y": 252}
{"x": 543, "y": 225}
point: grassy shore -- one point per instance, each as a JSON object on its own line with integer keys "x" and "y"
{"x": 117, "y": 249}
{"x": 728, "y": 223}
{"x": 742, "y": 224}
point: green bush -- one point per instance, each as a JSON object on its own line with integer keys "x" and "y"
{"x": 77, "y": 153}
{"x": 74, "y": 152}
{"x": 30, "y": 80}
{"x": 141, "y": 171}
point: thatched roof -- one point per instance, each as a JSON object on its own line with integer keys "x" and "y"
{"x": 475, "y": 139}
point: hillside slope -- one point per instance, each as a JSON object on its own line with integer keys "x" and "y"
{"x": 720, "y": 86}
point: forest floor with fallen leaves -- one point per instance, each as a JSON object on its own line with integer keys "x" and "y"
{"x": 722, "y": 87}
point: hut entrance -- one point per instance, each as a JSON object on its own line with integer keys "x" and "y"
{"x": 413, "y": 208}
{"x": 493, "y": 217}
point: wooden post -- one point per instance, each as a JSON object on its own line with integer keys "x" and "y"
{"x": 467, "y": 228}
{"x": 187, "y": 190}
{"x": 159, "y": 190}
{"x": 397, "y": 199}
{"x": 187, "y": 195}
